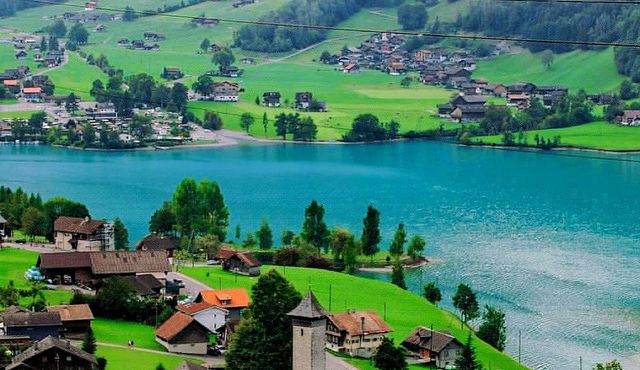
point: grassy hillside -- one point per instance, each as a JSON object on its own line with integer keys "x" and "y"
{"x": 446, "y": 11}
{"x": 593, "y": 71}
{"x": 76, "y": 76}
{"x": 124, "y": 358}
{"x": 405, "y": 310}
{"x": 596, "y": 135}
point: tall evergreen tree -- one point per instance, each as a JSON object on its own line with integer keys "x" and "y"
{"x": 370, "y": 232}
{"x": 389, "y": 357}
{"x": 467, "y": 359}
{"x": 89, "y": 343}
{"x": 397, "y": 244}
{"x": 120, "y": 235}
{"x": 493, "y": 329}
{"x": 314, "y": 230}
{"x": 264, "y": 341}
{"x": 397, "y": 275}
{"x": 265, "y": 235}
{"x": 432, "y": 293}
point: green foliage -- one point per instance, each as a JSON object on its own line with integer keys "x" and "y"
{"x": 89, "y": 343}
{"x": 163, "y": 221}
{"x": 120, "y": 235}
{"x": 340, "y": 238}
{"x": 205, "y": 44}
{"x": 432, "y": 293}
{"x": 389, "y": 357}
{"x": 547, "y": 58}
{"x": 246, "y": 120}
{"x": 78, "y": 34}
{"x": 416, "y": 247}
{"x": 59, "y": 206}
{"x": 57, "y": 29}
{"x": 115, "y": 298}
{"x": 287, "y": 237}
{"x": 412, "y": 17}
{"x": 200, "y": 209}
{"x": 88, "y": 135}
{"x": 397, "y": 275}
{"x": 140, "y": 127}
{"x": 9, "y": 295}
{"x": 396, "y": 249}
{"x": 34, "y": 222}
{"x": 223, "y": 58}
{"x": 467, "y": 359}
{"x": 314, "y": 230}
{"x": 613, "y": 365}
{"x": 249, "y": 241}
{"x": 370, "y": 232}
{"x": 101, "y": 363}
{"x": 264, "y": 341}
{"x": 71, "y": 103}
{"x": 212, "y": 121}
{"x": 465, "y": 301}
{"x": 265, "y": 235}
{"x": 286, "y": 256}
{"x": 493, "y": 329}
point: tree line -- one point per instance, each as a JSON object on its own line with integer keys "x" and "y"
{"x": 10, "y": 7}
{"x": 264, "y": 38}
{"x": 578, "y": 22}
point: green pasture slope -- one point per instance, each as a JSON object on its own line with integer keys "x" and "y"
{"x": 595, "y": 135}
{"x": 75, "y": 77}
{"x": 594, "y": 71}
{"x": 405, "y": 310}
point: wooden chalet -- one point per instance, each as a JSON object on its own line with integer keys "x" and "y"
{"x": 159, "y": 243}
{"x": 35, "y": 325}
{"x": 93, "y": 267}
{"x": 439, "y": 348}
{"x": 183, "y": 334}
{"x": 52, "y": 353}
{"x": 271, "y": 99}
{"x": 242, "y": 263}
{"x": 76, "y": 319}
{"x": 83, "y": 234}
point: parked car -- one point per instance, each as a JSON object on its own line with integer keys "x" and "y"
{"x": 179, "y": 283}
{"x": 213, "y": 262}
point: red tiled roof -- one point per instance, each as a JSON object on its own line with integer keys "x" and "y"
{"x": 351, "y": 322}
{"x": 172, "y": 327}
{"x": 237, "y": 298}
{"x": 248, "y": 259}
{"x": 225, "y": 253}
{"x": 32, "y": 90}
{"x": 10, "y": 82}
{"x": 72, "y": 312}
{"x": 193, "y": 308}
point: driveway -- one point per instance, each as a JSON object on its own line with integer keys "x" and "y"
{"x": 336, "y": 363}
{"x": 191, "y": 286}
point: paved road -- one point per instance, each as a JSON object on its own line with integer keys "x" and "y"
{"x": 336, "y": 363}
{"x": 192, "y": 287}
{"x": 210, "y": 360}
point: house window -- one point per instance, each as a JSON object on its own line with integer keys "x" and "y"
{"x": 301, "y": 332}
{"x": 446, "y": 353}
{"x": 347, "y": 341}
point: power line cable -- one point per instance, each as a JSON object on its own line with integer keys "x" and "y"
{"x": 363, "y": 30}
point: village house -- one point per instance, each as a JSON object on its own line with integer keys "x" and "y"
{"x": 630, "y": 118}
{"x": 83, "y": 234}
{"x": 226, "y": 91}
{"x": 146, "y": 285}
{"x": 439, "y": 348}
{"x": 181, "y": 333}
{"x": 21, "y": 55}
{"x": 471, "y": 112}
{"x": 520, "y": 100}
{"x": 52, "y": 353}
{"x": 247, "y": 60}
{"x": 172, "y": 73}
{"x": 137, "y": 44}
{"x": 159, "y": 244}
{"x": 35, "y": 325}
{"x": 123, "y": 41}
{"x": 100, "y": 28}
{"x": 352, "y": 68}
{"x": 32, "y": 94}
{"x": 154, "y": 36}
{"x": 13, "y": 86}
{"x": 271, "y": 99}
{"x": 90, "y": 5}
{"x": 101, "y": 112}
{"x": 242, "y": 263}
{"x": 76, "y": 319}
{"x": 357, "y": 333}
{"x": 497, "y": 90}
{"x": 303, "y": 100}
{"x": 211, "y": 317}
{"x": 521, "y": 88}
{"x": 204, "y": 21}
{"x": 4, "y": 227}
{"x": 444, "y": 110}
{"x": 93, "y": 267}
{"x": 233, "y": 300}
{"x": 469, "y": 100}
{"x": 229, "y": 71}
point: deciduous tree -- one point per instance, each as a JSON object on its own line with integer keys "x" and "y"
{"x": 120, "y": 235}
{"x": 465, "y": 301}
{"x": 493, "y": 329}
{"x": 314, "y": 230}
{"x": 396, "y": 249}
{"x": 432, "y": 293}
{"x": 265, "y": 235}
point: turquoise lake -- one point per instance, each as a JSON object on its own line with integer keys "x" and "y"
{"x": 552, "y": 238}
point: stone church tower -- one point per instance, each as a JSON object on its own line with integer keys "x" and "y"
{"x": 309, "y": 324}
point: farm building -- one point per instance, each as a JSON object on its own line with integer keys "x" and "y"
{"x": 35, "y": 325}
{"x": 356, "y": 333}
{"x": 76, "y": 319}
{"x": 441, "y": 348}
{"x": 183, "y": 334}
{"x": 83, "y": 234}
{"x": 59, "y": 354}
{"x": 242, "y": 263}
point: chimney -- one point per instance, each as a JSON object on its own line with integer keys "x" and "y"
{"x": 362, "y": 324}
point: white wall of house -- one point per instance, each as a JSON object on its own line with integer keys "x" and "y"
{"x": 212, "y": 318}
{"x": 63, "y": 243}
{"x": 188, "y": 349}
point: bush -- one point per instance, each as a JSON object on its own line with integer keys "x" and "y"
{"x": 286, "y": 257}
{"x": 317, "y": 261}
{"x": 265, "y": 257}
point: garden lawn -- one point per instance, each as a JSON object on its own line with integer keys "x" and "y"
{"x": 18, "y": 114}
{"x": 595, "y": 135}
{"x": 8, "y": 59}
{"x": 75, "y": 77}
{"x": 594, "y": 71}
{"x": 124, "y": 358}
{"x": 405, "y": 310}
{"x": 120, "y": 332}
{"x": 14, "y": 263}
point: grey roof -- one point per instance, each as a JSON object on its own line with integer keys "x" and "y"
{"x": 31, "y": 319}
{"x": 2, "y": 220}
{"x": 46, "y": 344}
{"x": 309, "y": 308}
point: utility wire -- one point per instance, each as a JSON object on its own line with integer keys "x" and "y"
{"x": 598, "y": 2}
{"x": 362, "y": 30}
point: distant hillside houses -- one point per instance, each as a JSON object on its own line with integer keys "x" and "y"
{"x": 84, "y": 17}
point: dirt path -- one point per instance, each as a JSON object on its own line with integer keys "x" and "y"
{"x": 310, "y": 47}
{"x": 381, "y": 14}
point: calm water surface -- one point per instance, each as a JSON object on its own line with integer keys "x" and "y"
{"x": 553, "y": 240}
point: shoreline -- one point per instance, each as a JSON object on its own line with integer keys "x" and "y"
{"x": 389, "y": 269}
{"x": 560, "y": 148}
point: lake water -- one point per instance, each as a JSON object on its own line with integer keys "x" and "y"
{"x": 552, "y": 239}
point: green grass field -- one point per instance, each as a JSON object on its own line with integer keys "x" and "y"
{"x": 123, "y": 358}
{"x": 120, "y": 332}
{"x": 594, "y": 71}
{"x": 76, "y": 76}
{"x": 8, "y": 59}
{"x": 405, "y": 310}
{"x": 14, "y": 263}
{"x": 596, "y": 135}
{"x": 17, "y": 114}
{"x": 447, "y": 11}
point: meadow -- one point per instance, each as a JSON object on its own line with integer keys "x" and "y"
{"x": 17, "y": 114}
{"x": 124, "y": 358}
{"x": 403, "y": 310}
{"x": 595, "y": 135}
{"x": 593, "y": 71}
{"x": 75, "y": 77}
